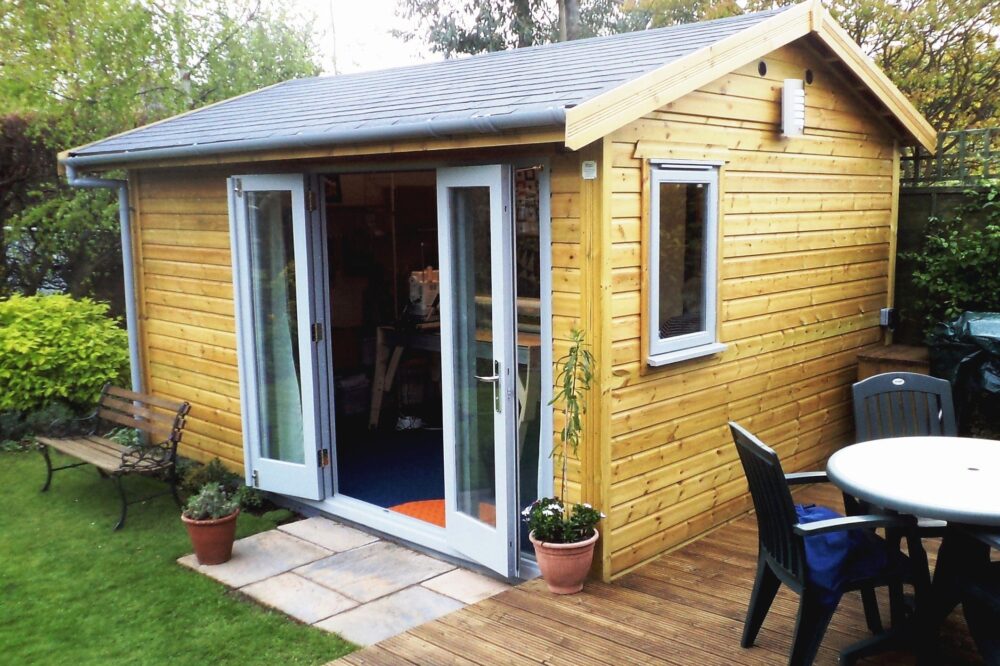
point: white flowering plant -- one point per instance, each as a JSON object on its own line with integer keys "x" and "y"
{"x": 553, "y": 522}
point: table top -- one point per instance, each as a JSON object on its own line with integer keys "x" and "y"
{"x": 947, "y": 478}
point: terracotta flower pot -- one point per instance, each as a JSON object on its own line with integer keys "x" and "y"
{"x": 212, "y": 539}
{"x": 564, "y": 566}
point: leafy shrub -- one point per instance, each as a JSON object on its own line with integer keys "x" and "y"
{"x": 125, "y": 436}
{"x": 209, "y": 503}
{"x": 195, "y": 476}
{"x": 956, "y": 269}
{"x": 55, "y": 348}
{"x": 52, "y": 419}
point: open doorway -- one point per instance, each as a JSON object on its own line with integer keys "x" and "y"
{"x": 382, "y": 258}
{"x": 383, "y": 240}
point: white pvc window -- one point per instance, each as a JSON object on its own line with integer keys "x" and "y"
{"x": 683, "y": 257}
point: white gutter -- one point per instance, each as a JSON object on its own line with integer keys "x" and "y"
{"x": 128, "y": 267}
{"x": 434, "y": 128}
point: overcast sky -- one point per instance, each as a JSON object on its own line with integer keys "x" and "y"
{"x": 356, "y": 35}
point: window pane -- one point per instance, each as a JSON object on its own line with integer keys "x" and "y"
{"x": 275, "y": 317}
{"x": 682, "y": 258}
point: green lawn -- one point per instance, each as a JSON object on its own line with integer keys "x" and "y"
{"x": 72, "y": 591}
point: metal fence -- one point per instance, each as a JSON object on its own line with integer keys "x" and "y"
{"x": 963, "y": 157}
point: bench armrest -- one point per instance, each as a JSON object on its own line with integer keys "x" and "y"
{"x": 799, "y": 478}
{"x": 869, "y": 522}
{"x": 147, "y": 457}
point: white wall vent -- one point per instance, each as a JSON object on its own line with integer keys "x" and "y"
{"x": 793, "y": 108}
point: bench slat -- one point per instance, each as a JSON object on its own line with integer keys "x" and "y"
{"x": 157, "y": 429}
{"x": 141, "y": 397}
{"x": 129, "y": 408}
{"x": 85, "y": 451}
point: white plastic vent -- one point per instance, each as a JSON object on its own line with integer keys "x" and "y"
{"x": 793, "y": 108}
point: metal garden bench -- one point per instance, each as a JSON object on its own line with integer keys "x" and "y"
{"x": 160, "y": 422}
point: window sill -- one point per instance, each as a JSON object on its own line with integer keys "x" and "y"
{"x": 667, "y": 358}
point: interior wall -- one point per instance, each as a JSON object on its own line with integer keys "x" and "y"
{"x": 806, "y": 231}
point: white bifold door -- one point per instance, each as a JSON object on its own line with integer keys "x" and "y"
{"x": 475, "y": 237}
{"x": 273, "y": 234}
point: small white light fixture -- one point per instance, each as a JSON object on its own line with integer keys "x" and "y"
{"x": 793, "y": 108}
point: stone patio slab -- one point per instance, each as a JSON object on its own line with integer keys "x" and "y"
{"x": 299, "y": 597}
{"x": 328, "y": 533}
{"x": 391, "y": 615}
{"x": 373, "y": 571}
{"x": 466, "y": 586}
{"x": 258, "y": 557}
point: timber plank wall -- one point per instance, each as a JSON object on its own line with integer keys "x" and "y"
{"x": 805, "y": 266}
{"x": 186, "y": 310}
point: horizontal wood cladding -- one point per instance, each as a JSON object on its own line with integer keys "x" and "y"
{"x": 187, "y": 313}
{"x": 806, "y": 229}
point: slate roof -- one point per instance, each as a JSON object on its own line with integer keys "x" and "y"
{"x": 518, "y": 88}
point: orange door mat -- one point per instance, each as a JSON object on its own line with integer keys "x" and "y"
{"x": 429, "y": 511}
{"x": 432, "y": 511}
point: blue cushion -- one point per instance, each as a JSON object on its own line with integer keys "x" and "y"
{"x": 836, "y": 559}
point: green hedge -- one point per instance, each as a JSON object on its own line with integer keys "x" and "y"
{"x": 58, "y": 349}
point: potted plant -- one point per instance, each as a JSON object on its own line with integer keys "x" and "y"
{"x": 564, "y": 537}
{"x": 210, "y": 518}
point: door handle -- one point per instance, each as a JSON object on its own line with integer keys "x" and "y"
{"x": 495, "y": 380}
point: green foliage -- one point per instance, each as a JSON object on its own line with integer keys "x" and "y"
{"x": 210, "y": 503}
{"x": 550, "y": 521}
{"x": 195, "y": 476}
{"x": 576, "y": 370}
{"x": 76, "y": 592}
{"x": 454, "y": 27}
{"x": 19, "y": 426}
{"x": 80, "y": 70}
{"x": 125, "y": 436}
{"x": 956, "y": 267}
{"x": 56, "y": 348}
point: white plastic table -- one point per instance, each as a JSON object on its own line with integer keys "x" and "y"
{"x": 956, "y": 479}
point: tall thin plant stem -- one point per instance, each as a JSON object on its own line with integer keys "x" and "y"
{"x": 575, "y": 373}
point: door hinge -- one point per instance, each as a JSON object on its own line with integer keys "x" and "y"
{"x": 311, "y": 200}
{"x": 323, "y": 457}
{"x": 238, "y": 186}
{"x": 256, "y": 479}
{"x": 316, "y": 332}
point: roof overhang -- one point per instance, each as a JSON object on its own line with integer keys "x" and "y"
{"x": 438, "y": 128}
{"x": 615, "y": 108}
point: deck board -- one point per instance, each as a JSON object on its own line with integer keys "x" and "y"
{"x": 685, "y": 607}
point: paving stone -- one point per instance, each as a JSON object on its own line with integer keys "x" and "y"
{"x": 390, "y": 616}
{"x": 466, "y": 586}
{"x": 328, "y": 533}
{"x": 373, "y": 571}
{"x": 258, "y": 557}
{"x": 299, "y": 597}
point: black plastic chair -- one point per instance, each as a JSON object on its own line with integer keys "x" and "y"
{"x": 782, "y": 554}
{"x": 903, "y": 404}
{"x": 965, "y": 575}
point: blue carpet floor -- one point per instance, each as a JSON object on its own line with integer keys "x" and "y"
{"x": 390, "y": 468}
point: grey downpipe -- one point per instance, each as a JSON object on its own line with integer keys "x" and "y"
{"x": 128, "y": 266}
{"x": 431, "y": 129}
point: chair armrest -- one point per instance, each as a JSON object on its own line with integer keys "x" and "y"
{"x": 852, "y": 523}
{"x": 799, "y": 478}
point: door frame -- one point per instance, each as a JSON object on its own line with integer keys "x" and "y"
{"x": 381, "y": 519}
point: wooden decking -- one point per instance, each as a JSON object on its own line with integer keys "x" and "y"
{"x": 685, "y": 608}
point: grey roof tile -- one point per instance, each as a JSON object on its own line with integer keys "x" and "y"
{"x": 494, "y": 84}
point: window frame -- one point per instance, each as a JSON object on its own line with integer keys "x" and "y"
{"x": 662, "y": 351}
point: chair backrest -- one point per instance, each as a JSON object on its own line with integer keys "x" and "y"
{"x": 772, "y": 501}
{"x": 903, "y": 404}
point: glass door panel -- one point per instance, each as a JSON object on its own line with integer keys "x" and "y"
{"x": 478, "y": 364}
{"x": 277, "y": 355}
{"x": 275, "y": 325}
